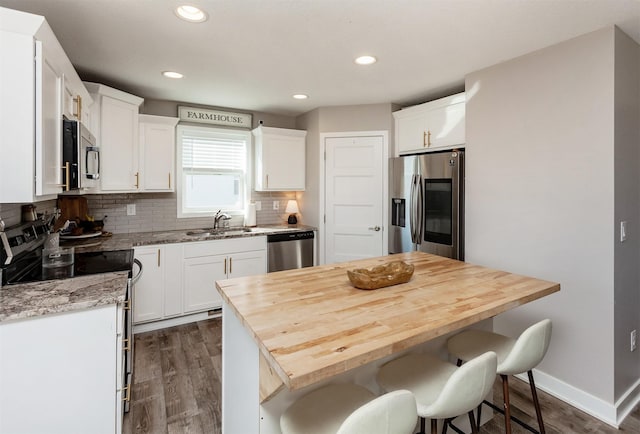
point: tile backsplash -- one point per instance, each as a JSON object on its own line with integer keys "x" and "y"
{"x": 155, "y": 211}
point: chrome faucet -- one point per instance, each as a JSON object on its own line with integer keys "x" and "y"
{"x": 220, "y": 216}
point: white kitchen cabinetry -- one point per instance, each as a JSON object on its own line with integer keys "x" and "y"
{"x": 158, "y": 293}
{"x": 208, "y": 261}
{"x": 114, "y": 122}
{"x": 280, "y": 159}
{"x": 430, "y": 126}
{"x": 157, "y": 153}
{"x": 178, "y": 280}
{"x": 34, "y": 79}
{"x": 62, "y": 373}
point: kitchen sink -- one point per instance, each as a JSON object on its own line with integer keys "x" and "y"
{"x": 219, "y": 231}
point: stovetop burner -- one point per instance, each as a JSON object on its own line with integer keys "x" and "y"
{"x": 29, "y": 267}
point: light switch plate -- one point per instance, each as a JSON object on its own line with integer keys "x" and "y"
{"x": 276, "y": 205}
{"x": 258, "y": 205}
{"x": 131, "y": 209}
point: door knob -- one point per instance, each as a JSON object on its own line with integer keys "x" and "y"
{"x": 375, "y": 228}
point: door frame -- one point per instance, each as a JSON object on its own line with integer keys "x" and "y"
{"x": 385, "y": 186}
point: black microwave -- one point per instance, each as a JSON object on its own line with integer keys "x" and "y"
{"x": 80, "y": 156}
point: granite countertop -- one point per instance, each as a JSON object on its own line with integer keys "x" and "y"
{"x": 129, "y": 241}
{"x": 27, "y": 300}
{"x": 33, "y": 299}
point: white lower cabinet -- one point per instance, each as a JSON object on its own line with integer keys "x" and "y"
{"x": 179, "y": 279}
{"x": 157, "y": 295}
{"x": 62, "y": 373}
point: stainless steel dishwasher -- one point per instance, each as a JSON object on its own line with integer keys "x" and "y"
{"x": 289, "y": 250}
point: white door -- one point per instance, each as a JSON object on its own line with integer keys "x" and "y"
{"x": 354, "y": 197}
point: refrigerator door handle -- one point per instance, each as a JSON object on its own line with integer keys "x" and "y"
{"x": 413, "y": 209}
{"x": 419, "y": 210}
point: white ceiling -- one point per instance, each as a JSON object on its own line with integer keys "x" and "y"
{"x": 255, "y": 54}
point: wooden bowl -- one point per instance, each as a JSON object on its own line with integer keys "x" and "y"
{"x": 393, "y": 273}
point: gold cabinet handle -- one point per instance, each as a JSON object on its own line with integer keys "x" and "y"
{"x": 127, "y": 393}
{"x": 127, "y": 305}
{"x": 267, "y": 185}
{"x": 78, "y": 102}
{"x": 125, "y": 345}
{"x": 225, "y": 266}
{"x": 67, "y": 172}
{"x": 158, "y": 257}
{"x": 230, "y": 266}
{"x": 137, "y": 175}
{"x": 169, "y": 179}
{"x": 424, "y": 139}
{"x": 428, "y": 138}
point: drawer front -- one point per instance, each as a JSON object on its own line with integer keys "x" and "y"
{"x": 223, "y": 247}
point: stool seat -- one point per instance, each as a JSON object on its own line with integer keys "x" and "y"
{"x": 515, "y": 356}
{"x": 350, "y": 409}
{"x": 442, "y": 390}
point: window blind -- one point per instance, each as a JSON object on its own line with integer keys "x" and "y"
{"x": 215, "y": 151}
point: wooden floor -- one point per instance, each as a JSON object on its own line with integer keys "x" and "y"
{"x": 177, "y": 389}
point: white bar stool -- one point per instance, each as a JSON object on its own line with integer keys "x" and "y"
{"x": 442, "y": 390}
{"x": 350, "y": 409}
{"x": 515, "y": 356}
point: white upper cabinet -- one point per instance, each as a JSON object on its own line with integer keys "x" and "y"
{"x": 114, "y": 122}
{"x": 36, "y": 76}
{"x": 280, "y": 159}
{"x": 157, "y": 153}
{"x": 430, "y": 126}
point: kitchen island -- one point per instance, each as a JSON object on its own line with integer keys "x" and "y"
{"x": 289, "y": 332}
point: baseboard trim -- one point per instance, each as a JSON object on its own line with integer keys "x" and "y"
{"x": 172, "y": 322}
{"x": 611, "y": 414}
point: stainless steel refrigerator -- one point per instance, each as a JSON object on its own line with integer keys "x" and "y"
{"x": 427, "y": 204}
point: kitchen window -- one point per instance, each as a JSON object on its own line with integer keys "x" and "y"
{"x": 212, "y": 170}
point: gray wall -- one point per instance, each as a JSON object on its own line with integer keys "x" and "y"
{"x": 627, "y": 194}
{"x": 542, "y": 200}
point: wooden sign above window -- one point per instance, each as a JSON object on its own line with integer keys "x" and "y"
{"x": 214, "y": 117}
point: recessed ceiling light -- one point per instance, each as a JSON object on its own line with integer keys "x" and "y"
{"x": 300, "y": 96}
{"x": 191, "y": 14}
{"x": 172, "y": 74}
{"x": 365, "y": 60}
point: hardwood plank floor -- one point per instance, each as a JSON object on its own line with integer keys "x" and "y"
{"x": 177, "y": 390}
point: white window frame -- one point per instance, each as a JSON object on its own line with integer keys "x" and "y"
{"x": 179, "y": 174}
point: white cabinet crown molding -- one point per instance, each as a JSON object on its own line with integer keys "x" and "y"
{"x": 101, "y": 89}
{"x": 430, "y": 105}
{"x": 154, "y": 119}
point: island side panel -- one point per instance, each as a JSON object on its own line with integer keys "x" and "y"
{"x": 240, "y": 377}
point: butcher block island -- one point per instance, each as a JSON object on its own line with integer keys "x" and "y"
{"x": 289, "y": 332}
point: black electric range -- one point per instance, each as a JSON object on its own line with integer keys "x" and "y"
{"x": 25, "y": 243}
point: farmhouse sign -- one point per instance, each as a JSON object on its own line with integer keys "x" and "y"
{"x": 215, "y": 117}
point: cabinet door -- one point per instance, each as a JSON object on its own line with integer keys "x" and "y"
{"x": 157, "y": 148}
{"x": 247, "y": 263}
{"x": 446, "y": 125}
{"x": 149, "y": 291}
{"x": 283, "y": 163}
{"x": 172, "y": 263}
{"x": 410, "y": 131}
{"x": 118, "y": 145}
{"x": 200, "y": 275}
{"x": 48, "y": 125}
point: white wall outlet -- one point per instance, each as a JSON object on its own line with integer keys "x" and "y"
{"x": 131, "y": 209}
{"x": 276, "y": 205}
{"x": 623, "y": 231}
{"x": 633, "y": 340}
{"x": 258, "y": 205}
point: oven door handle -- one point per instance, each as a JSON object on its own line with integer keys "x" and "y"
{"x": 138, "y": 275}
